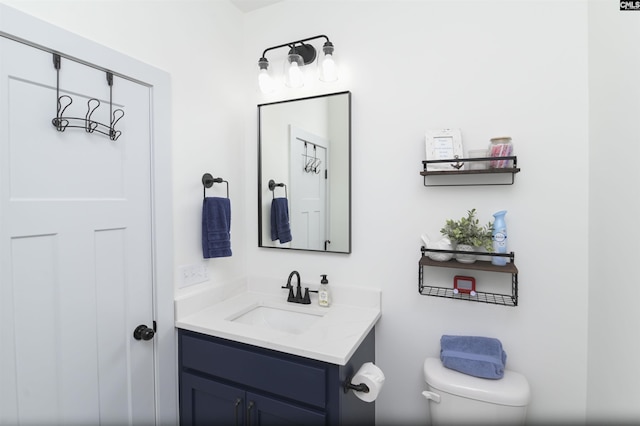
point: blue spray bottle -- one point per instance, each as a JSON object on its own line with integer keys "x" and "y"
{"x": 499, "y": 238}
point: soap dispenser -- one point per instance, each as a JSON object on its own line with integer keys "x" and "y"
{"x": 324, "y": 298}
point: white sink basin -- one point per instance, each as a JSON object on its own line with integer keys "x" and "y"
{"x": 289, "y": 321}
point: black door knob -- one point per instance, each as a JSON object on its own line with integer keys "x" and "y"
{"x": 142, "y": 332}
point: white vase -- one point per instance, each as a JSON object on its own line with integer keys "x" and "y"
{"x": 465, "y": 258}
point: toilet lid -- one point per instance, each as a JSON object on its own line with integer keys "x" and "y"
{"x": 512, "y": 389}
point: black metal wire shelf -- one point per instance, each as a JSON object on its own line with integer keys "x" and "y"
{"x": 479, "y": 265}
{"x": 483, "y": 297}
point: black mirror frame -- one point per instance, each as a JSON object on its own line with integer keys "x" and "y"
{"x": 260, "y": 189}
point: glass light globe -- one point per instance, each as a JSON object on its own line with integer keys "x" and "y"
{"x": 328, "y": 69}
{"x": 293, "y": 76}
{"x": 266, "y": 83}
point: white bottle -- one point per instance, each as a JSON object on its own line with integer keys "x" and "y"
{"x": 324, "y": 298}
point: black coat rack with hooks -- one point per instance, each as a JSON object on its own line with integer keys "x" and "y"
{"x": 208, "y": 181}
{"x": 62, "y": 122}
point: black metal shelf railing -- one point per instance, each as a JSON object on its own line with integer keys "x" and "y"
{"x": 456, "y": 165}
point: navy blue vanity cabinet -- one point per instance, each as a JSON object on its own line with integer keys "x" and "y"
{"x": 214, "y": 402}
{"x": 223, "y": 382}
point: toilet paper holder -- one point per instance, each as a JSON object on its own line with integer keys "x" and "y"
{"x": 347, "y": 386}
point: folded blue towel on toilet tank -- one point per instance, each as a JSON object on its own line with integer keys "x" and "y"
{"x": 474, "y": 355}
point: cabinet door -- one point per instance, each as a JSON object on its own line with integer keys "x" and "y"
{"x": 265, "y": 411}
{"x": 206, "y": 402}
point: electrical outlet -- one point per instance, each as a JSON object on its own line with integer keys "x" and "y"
{"x": 193, "y": 274}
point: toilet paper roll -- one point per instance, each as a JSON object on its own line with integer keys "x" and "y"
{"x": 373, "y": 377}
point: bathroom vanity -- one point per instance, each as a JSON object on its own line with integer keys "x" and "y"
{"x": 253, "y": 358}
{"x": 225, "y": 382}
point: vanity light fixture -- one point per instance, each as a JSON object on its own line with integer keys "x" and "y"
{"x": 300, "y": 54}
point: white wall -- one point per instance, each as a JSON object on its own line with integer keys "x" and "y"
{"x": 490, "y": 68}
{"x": 614, "y": 133}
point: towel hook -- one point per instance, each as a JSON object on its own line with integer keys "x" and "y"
{"x": 273, "y": 185}
{"x": 208, "y": 181}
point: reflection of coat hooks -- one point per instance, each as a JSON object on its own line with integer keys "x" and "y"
{"x": 60, "y": 122}
{"x": 312, "y": 164}
{"x": 273, "y": 185}
{"x": 208, "y": 181}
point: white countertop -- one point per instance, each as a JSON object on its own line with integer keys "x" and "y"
{"x": 333, "y": 338}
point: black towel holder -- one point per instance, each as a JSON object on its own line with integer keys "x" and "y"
{"x": 208, "y": 181}
{"x": 273, "y": 185}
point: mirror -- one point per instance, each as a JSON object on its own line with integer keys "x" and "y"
{"x": 304, "y": 171}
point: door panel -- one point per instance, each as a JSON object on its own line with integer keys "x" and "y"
{"x": 207, "y": 402}
{"x": 308, "y": 201}
{"x": 75, "y": 248}
{"x": 267, "y": 411}
{"x": 33, "y": 291}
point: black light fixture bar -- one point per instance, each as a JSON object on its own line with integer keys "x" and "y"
{"x": 300, "y": 53}
{"x": 305, "y": 50}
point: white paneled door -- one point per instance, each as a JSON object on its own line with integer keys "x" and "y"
{"x": 308, "y": 198}
{"x": 75, "y": 248}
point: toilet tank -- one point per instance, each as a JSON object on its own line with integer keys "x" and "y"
{"x": 458, "y": 398}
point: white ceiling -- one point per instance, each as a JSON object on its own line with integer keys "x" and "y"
{"x": 249, "y": 5}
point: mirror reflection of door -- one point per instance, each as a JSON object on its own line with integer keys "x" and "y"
{"x": 308, "y": 196}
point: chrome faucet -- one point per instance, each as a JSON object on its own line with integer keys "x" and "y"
{"x": 297, "y": 297}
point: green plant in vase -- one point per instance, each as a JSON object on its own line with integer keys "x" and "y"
{"x": 467, "y": 232}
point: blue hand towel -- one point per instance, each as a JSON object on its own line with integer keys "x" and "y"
{"x": 280, "y": 228}
{"x": 473, "y": 355}
{"x": 216, "y": 226}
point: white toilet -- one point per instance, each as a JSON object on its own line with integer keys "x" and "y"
{"x": 456, "y": 398}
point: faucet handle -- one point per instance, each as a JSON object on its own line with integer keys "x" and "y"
{"x": 291, "y": 297}
{"x": 306, "y": 299}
